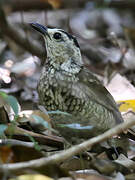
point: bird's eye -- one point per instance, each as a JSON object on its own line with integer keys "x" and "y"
{"x": 57, "y": 35}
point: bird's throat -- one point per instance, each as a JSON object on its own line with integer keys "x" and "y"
{"x": 70, "y": 67}
{"x": 67, "y": 67}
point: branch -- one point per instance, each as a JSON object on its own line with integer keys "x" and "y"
{"x": 16, "y": 143}
{"x": 49, "y": 140}
{"x": 64, "y": 155}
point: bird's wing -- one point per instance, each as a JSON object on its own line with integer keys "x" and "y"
{"x": 88, "y": 87}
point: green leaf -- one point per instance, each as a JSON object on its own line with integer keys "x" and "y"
{"x": 40, "y": 120}
{"x": 11, "y": 128}
{"x": 36, "y": 145}
{"x": 3, "y": 127}
{"x": 12, "y": 101}
{"x": 3, "y": 94}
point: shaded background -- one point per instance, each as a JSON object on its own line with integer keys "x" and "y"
{"x": 104, "y": 29}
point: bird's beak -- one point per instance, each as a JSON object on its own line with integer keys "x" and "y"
{"x": 40, "y": 28}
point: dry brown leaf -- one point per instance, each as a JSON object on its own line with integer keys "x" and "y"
{"x": 39, "y": 125}
{"x": 6, "y": 154}
{"x": 23, "y": 153}
{"x": 28, "y": 113}
{"x": 54, "y": 3}
{"x": 18, "y": 153}
{"x": 130, "y": 34}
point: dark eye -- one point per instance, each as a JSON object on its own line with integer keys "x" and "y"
{"x": 57, "y": 36}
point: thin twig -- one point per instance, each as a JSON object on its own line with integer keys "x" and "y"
{"x": 64, "y": 155}
{"x": 16, "y": 142}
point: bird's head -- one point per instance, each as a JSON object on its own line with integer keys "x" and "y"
{"x": 63, "y": 50}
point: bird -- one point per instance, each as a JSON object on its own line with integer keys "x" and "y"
{"x": 67, "y": 86}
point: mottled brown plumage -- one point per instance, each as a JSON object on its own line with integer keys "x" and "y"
{"x": 66, "y": 85}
